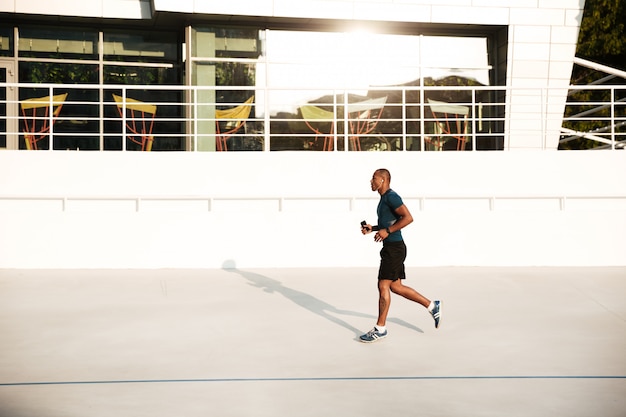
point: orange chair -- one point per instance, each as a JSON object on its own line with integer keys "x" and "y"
{"x": 366, "y": 120}
{"x": 137, "y": 110}
{"x": 33, "y": 131}
{"x": 442, "y": 124}
{"x": 229, "y": 121}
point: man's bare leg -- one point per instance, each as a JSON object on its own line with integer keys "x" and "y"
{"x": 409, "y": 293}
{"x": 384, "y": 300}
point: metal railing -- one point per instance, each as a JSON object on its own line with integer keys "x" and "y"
{"x": 206, "y": 203}
{"x": 182, "y": 118}
{"x": 596, "y": 114}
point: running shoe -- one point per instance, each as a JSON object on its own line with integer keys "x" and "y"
{"x": 436, "y": 313}
{"x": 373, "y": 336}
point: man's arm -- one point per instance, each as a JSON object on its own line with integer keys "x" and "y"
{"x": 405, "y": 219}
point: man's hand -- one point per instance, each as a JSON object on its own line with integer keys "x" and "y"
{"x": 381, "y": 235}
{"x": 366, "y": 228}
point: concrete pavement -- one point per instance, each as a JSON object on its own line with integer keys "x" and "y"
{"x": 283, "y": 342}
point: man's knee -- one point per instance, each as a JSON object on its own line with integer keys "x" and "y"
{"x": 396, "y": 286}
{"x": 384, "y": 284}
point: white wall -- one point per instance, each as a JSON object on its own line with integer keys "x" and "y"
{"x": 183, "y": 210}
{"x": 117, "y": 9}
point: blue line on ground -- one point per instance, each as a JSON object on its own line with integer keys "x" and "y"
{"x": 311, "y": 379}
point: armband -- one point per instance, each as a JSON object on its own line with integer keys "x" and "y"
{"x": 375, "y": 228}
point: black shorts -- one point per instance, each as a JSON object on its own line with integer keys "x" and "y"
{"x": 392, "y": 257}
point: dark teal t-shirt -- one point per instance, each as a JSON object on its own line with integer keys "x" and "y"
{"x": 389, "y": 202}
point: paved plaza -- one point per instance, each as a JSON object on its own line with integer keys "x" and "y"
{"x": 284, "y": 342}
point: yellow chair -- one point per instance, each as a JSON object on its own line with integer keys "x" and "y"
{"x": 137, "y": 110}
{"x": 314, "y": 114}
{"x": 229, "y": 121}
{"x": 363, "y": 118}
{"x": 33, "y": 131}
{"x": 443, "y": 127}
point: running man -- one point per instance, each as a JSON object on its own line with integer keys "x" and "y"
{"x": 393, "y": 215}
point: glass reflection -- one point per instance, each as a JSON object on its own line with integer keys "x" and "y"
{"x": 355, "y": 91}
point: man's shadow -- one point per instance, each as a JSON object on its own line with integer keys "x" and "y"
{"x": 307, "y": 301}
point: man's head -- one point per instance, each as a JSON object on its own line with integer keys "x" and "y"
{"x": 384, "y": 174}
{"x": 380, "y": 180}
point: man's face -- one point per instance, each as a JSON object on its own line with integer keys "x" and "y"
{"x": 376, "y": 182}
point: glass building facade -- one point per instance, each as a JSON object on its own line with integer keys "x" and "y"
{"x": 218, "y": 88}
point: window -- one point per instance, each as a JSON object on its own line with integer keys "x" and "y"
{"x": 38, "y": 42}
{"x": 90, "y": 119}
{"x": 226, "y": 59}
{"x": 251, "y": 89}
{"x": 340, "y": 91}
